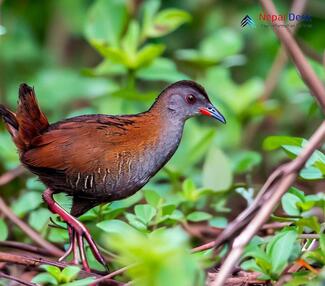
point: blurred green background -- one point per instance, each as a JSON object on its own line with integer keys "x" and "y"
{"x": 114, "y": 57}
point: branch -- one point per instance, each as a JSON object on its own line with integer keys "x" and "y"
{"x": 11, "y": 175}
{"x": 307, "y": 73}
{"x": 7, "y": 212}
{"x": 272, "y": 78}
{"x": 271, "y": 198}
{"x": 21, "y": 282}
{"x": 24, "y": 247}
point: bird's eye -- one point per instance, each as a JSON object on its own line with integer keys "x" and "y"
{"x": 191, "y": 99}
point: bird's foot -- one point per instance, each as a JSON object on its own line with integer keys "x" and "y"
{"x": 78, "y": 233}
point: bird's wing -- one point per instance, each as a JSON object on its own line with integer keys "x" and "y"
{"x": 80, "y": 147}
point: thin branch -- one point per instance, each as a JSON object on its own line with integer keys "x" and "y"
{"x": 112, "y": 274}
{"x": 11, "y": 175}
{"x": 22, "y": 282}
{"x": 272, "y": 197}
{"x": 24, "y": 247}
{"x": 297, "y": 56}
{"x": 35, "y": 262}
{"x": 272, "y": 78}
{"x": 7, "y": 212}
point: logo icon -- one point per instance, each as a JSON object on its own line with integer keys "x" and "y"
{"x": 247, "y": 21}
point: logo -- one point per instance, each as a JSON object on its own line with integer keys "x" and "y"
{"x": 247, "y": 21}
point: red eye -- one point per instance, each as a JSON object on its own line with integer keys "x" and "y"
{"x": 191, "y": 99}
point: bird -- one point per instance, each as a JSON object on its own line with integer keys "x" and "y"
{"x": 101, "y": 158}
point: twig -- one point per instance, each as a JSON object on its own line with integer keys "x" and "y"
{"x": 22, "y": 282}
{"x": 306, "y": 72}
{"x": 111, "y": 275}
{"x": 272, "y": 78}
{"x": 24, "y": 246}
{"x": 35, "y": 262}
{"x": 6, "y": 178}
{"x": 12, "y": 174}
{"x": 272, "y": 197}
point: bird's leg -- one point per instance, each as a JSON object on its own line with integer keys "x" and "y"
{"x": 71, "y": 246}
{"x": 77, "y": 232}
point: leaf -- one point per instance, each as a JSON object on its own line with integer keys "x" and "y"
{"x": 106, "y": 21}
{"x": 38, "y": 218}
{"x": 198, "y": 216}
{"x": 160, "y": 69}
{"x": 166, "y": 21}
{"x": 311, "y": 173}
{"x": 147, "y": 54}
{"x": 131, "y": 40}
{"x": 245, "y": 161}
{"x": 289, "y": 204}
{"x": 275, "y": 142}
{"x": 219, "y": 222}
{"x": 3, "y": 230}
{"x": 152, "y": 197}
{"x": 44, "y": 279}
{"x": 115, "y": 226}
{"x": 217, "y": 174}
{"x": 145, "y": 213}
{"x": 53, "y": 270}
{"x": 69, "y": 273}
{"x": 26, "y": 203}
{"x": 135, "y": 222}
{"x": 279, "y": 250}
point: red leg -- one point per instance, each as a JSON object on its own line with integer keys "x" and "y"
{"x": 77, "y": 232}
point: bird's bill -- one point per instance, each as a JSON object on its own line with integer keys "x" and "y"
{"x": 213, "y": 112}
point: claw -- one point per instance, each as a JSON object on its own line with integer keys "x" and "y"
{"x": 77, "y": 233}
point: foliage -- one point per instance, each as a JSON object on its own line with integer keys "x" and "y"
{"x": 114, "y": 57}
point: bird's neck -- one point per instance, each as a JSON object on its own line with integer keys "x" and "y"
{"x": 170, "y": 131}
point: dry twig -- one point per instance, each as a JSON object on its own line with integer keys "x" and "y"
{"x": 7, "y": 212}
{"x": 285, "y": 175}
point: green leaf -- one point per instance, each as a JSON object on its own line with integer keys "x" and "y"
{"x": 152, "y": 197}
{"x": 289, "y": 204}
{"x": 219, "y": 222}
{"x": 26, "y": 203}
{"x": 311, "y": 173}
{"x": 135, "y": 222}
{"x": 245, "y": 161}
{"x": 106, "y": 21}
{"x": 198, "y": 216}
{"x": 115, "y": 226}
{"x": 69, "y": 273}
{"x": 39, "y": 218}
{"x": 53, "y": 270}
{"x": 160, "y": 69}
{"x": 309, "y": 222}
{"x": 145, "y": 213}
{"x": 166, "y": 21}
{"x": 3, "y": 230}
{"x": 217, "y": 174}
{"x": 279, "y": 250}
{"x": 44, "y": 279}
{"x": 147, "y": 54}
{"x": 189, "y": 190}
{"x": 131, "y": 40}
{"x": 275, "y": 142}
{"x": 322, "y": 242}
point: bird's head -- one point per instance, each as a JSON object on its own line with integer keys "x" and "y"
{"x": 186, "y": 99}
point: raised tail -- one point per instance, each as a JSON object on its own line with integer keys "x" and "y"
{"x": 28, "y": 122}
